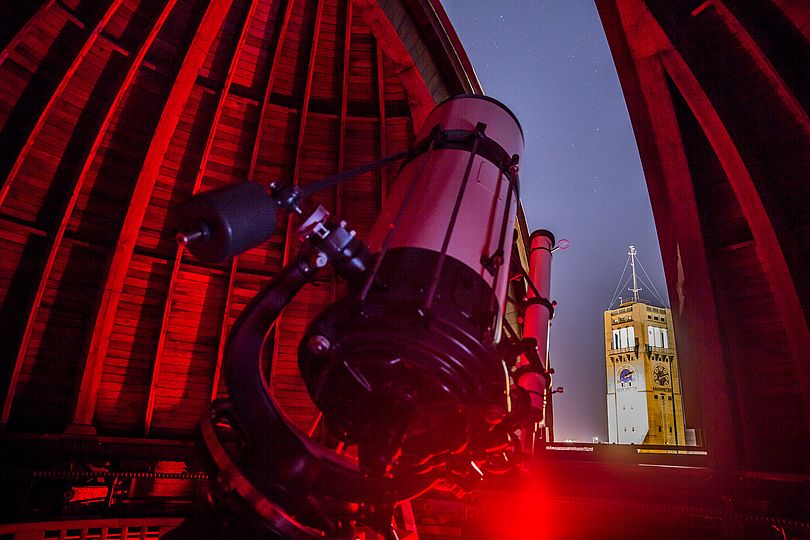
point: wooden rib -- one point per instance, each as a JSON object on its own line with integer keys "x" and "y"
{"x": 747, "y": 42}
{"x": 150, "y": 401}
{"x": 766, "y": 241}
{"x": 223, "y": 332}
{"x": 11, "y": 45}
{"x": 381, "y": 96}
{"x": 298, "y": 154}
{"x": 344, "y": 103}
{"x": 128, "y": 236}
{"x": 54, "y": 98}
{"x": 299, "y": 149}
{"x": 178, "y": 255}
{"x": 55, "y": 242}
{"x": 271, "y": 79}
{"x": 419, "y": 97}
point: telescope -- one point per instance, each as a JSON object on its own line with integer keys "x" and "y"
{"x": 410, "y": 370}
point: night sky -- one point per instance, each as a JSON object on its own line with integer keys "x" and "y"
{"x": 581, "y": 178}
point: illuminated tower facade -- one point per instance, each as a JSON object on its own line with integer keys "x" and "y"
{"x": 644, "y": 401}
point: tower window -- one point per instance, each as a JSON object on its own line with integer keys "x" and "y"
{"x": 659, "y": 429}
{"x": 670, "y": 429}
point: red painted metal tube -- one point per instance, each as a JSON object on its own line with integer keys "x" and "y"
{"x": 536, "y": 317}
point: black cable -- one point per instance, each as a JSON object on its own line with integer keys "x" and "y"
{"x": 335, "y": 179}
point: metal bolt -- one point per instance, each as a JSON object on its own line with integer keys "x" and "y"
{"x": 318, "y": 344}
{"x": 321, "y": 259}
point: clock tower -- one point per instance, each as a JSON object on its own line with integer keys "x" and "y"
{"x": 644, "y": 399}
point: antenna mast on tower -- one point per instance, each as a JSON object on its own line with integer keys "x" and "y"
{"x": 635, "y": 288}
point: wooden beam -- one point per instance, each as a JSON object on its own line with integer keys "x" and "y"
{"x": 54, "y": 98}
{"x": 302, "y": 124}
{"x": 128, "y": 236}
{"x": 289, "y": 236}
{"x": 178, "y": 255}
{"x": 749, "y": 44}
{"x": 223, "y": 332}
{"x": 383, "y": 137}
{"x": 271, "y": 79}
{"x": 344, "y": 104}
{"x": 299, "y": 149}
{"x": 766, "y": 240}
{"x": 419, "y": 97}
{"x": 17, "y": 39}
{"x": 150, "y": 401}
{"x": 54, "y": 242}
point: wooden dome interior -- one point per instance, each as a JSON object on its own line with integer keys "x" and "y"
{"x": 112, "y": 114}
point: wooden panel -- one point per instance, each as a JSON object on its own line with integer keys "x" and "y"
{"x": 256, "y": 57}
{"x": 234, "y": 40}
{"x": 362, "y": 195}
{"x": 131, "y": 21}
{"x": 70, "y": 181}
{"x": 327, "y": 74}
{"x": 292, "y": 65}
{"x": 105, "y": 193}
{"x": 30, "y": 74}
{"x": 20, "y": 247}
{"x": 296, "y": 398}
{"x": 286, "y": 383}
{"x": 362, "y": 62}
{"x": 797, "y": 12}
{"x": 38, "y": 122}
{"x": 45, "y": 176}
{"x": 58, "y": 342}
{"x": 229, "y": 158}
{"x": 244, "y": 289}
{"x": 183, "y": 380}
{"x": 319, "y": 160}
{"x": 123, "y": 390}
{"x": 177, "y": 173}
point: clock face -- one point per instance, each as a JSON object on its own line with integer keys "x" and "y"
{"x": 661, "y": 375}
{"x": 626, "y": 375}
